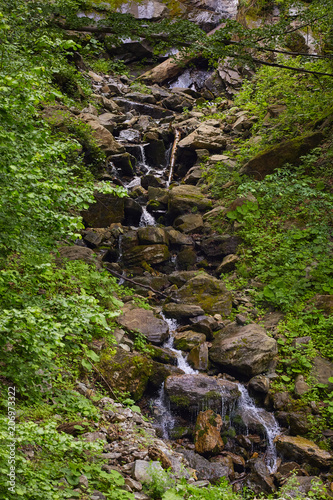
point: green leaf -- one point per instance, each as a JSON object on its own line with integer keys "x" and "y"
{"x": 285, "y": 378}
{"x": 92, "y": 355}
{"x": 86, "y": 365}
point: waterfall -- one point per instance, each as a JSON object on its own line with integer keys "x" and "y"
{"x": 146, "y": 219}
{"x": 181, "y": 360}
{"x": 248, "y": 411}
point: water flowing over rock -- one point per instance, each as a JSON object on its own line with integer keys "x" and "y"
{"x": 247, "y": 350}
{"x": 191, "y": 393}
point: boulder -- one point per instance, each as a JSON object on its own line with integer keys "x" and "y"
{"x": 179, "y": 278}
{"x": 106, "y": 210}
{"x": 189, "y": 223}
{"x": 190, "y": 393}
{"x": 177, "y": 102}
{"x": 204, "y": 469}
{"x": 228, "y": 264}
{"x": 260, "y": 384}
{"x": 108, "y": 121}
{"x": 178, "y": 238}
{"x": 151, "y": 254}
{"x": 204, "y": 324}
{"x": 303, "y": 450}
{"x": 155, "y": 153}
{"x": 275, "y": 157}
{"x": 152, "y": 235}
{"x": 204, "y": 137}
{"x": 198, "y": 357}
{"x": 244, "y": 349}
{"x": 154, "y": 329}
{"x": 156, "y": 112}
{"x": 142, "y": 470}
{"x": 184, "y": 198}
{"x": 207, "y": 292}
{"x": 220, "y": 245}
{"x": 133, "y": 212}
{"x": 124, "y": 163}
{"x": 186, "y": 258}
{"x": 207, "y": 437}
{"x": 76, "y": 252}
{"x": 260, "y": 476}
{"x": 322, "y": 370}
{"x": 180, "y": 311}
{"x": 126, "y": 371}
{"x": 185, "y": 341}
{"x": 104, "y": 138}
{"x": 163, "y": 355}
{"x": 160, "y": 372}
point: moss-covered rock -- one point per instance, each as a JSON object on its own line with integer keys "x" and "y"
{"x": 126, "y": 371}
{"x": 184, "y": 198}
{"x": 275, "y": 157}
{"x": 152, "y": 254}
{"x": 188, "y": 339}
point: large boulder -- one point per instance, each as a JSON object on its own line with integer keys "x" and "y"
{"x": 212, "y": 471}
{"x": 198, "y": 357}
{"x": 76, "y": 252}
{"x": 189, "y": 223}
{"x": 275, "y": 157}
{"x": 184, "y": 198}
{"x": 103, "y": 137}
{"x": 220, "y": 245}
{"x": 180, "y": 311}
{"x": 189, "y": 393}
{"x": 151, "y": 254}
{"x": 106, "y": 210}
{"x": 154, "y": 329}
{"x": 207, "y": 437}
{"x": 245, "y": 349}
{"x": 151, "y": 235}
{"x": 204, "y": 137}
{"x": 303, "y": 450}
{"x": 126, "y": 371}
{"x": 188, "y": 339}
{"x": 207, "y": 292}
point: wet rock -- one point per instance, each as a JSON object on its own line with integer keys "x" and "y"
{"x": 160, "y": 372}
{"x": 207, "y": 437}
{"x": 152, "y": 235}
{"x": 189, "y": 223}
{"x": 260, "y": 384}
{"x": 198, "y": 357}
{"x": 246, "y": 350}
{"x": 303, "y": 450}
{"x": 185, "y": 341}
{"x": 163, "y": 355}
{"x": 155, "y": 153}
{"x": 179, "y": 278}
{"x": 104, "y": 138}
{"x": 204, "y": 137}
{"x": 275, "y": 157}
{"x": 189, "y": 393}
{"x": 148, "y": 181}
{"x": 228, "y": 264}
{"x": 207, "y": 292}
{"x": 126, "y": 371}
{"x": 184, "y": 198}
{"x": 213, "y": 472}
{"x": 156, "y": 112}
{"x": 186, "y": 258}
{"x": 178, "y": 238}
{"x": 148, "y": 9}
{"x": 158, "y": 194}
{"x": 130, "y": 135}
{"x": 151, "y": 254}
{"x": 107, "y": 209}
{"x": 154, "y": 329}
{"x": 133, "y": 212}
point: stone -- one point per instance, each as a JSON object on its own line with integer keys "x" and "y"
{"x": 184, "y": 198}
{"x": 205, "y": 470}
{"x": 142, "y": 471}
{"x": 177, "y": 102}
{"x": 156, "y": 454}
{"x": 158, "y": 194}
{"x": 163, "y": 355}
{"x": 220, "y": 245}
{"x": 186, "y": 258}
{"x": 207, "y": 292}
{"x": 155, "y": 153}
{"x": 189, "y": 393}
{"x": 107, "y": 209}
{"x": 322, "y": 370}
{"x": 107, "y": 120}
{"x": 275, "y": 157}
{"x": 149, "y": 180}
{"x": 156, "y": 112}
{"x": 160, "y": 372}
{"x": 154, "y": 329}
{"x": 133, "y": 212}
{"x": 189, "y": 223}
{"x": 228, "y": 264}
{"x": 303, "y": 450}
{"x": 178, "y": 238}
{"x": 246, "y": 349}
{"x": 151, "y": 254}
{"x": 147, "y": 10}
{"x": 324, "y": 303}
{"x": 104, "y": 138}
{"x": 204, "y": 137}
{"x": 180, "y": 311}
{"x": 260, "y": 384}
{"x": 152, "y": 235}
{"x": 204, "y": 324}
{"x": 134, "y": 485}
{"x": 124, "y": 163}
{"x": 76, "y": 252}
{"x": 126, "y": 371}
{"x": 179, "y": 278}
{"x": 92, "y": 239}
{"x": 90, "y": 437}
{"x": 198, "y": 357}
{"x": 301, "y": 387}
{"x": 260, "y": 475}
{"x": 83, "y": 482}
{"x": 207, "y": 437}
{"x": 185, "y": 341}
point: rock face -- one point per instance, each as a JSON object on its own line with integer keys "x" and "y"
{"x": 247, "y": 349}
{"x": 104, "y": 138}
{"x": 192, "y": 392}
{"x": 154, "y": 329}
{"x": 302, "y": 450}
{"x": 152, "y": 254}
{"x": 275, "y": 157}
{"x": 207, "y": 437}
{"x": 207, "y": 292}
{"x": 107, "y": 210}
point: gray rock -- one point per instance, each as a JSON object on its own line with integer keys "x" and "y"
{"x": 184, "y": 198}
{"x": 152, "y": 235}
{"x": 189, "y": 223}
{"x": 247, "y": 349}
{"x": 107, "y": 209}
{"x": 142, "y": 470}
{"x": 179, "y": 311}
{"x": 154, "y": 329}
{"x": 205, "y": 470}
{"x": 301, "y": 387}
{"x": 303, "y": 450}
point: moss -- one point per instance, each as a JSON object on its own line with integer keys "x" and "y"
{"x": 180, "y": 401}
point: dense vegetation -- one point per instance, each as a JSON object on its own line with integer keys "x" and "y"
{"x": 50, "y": 311}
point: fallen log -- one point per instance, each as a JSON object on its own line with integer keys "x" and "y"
{"x": 178, "y": 135}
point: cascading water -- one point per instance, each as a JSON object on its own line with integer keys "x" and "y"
{"x": 146, "y": 219}
{"x": 249, "y": 411}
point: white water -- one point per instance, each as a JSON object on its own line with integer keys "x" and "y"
{"x": 248, "y": 409}
{"x": 181, "y": 360}
{"x": 146, "y": 219}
